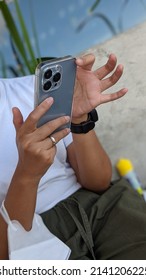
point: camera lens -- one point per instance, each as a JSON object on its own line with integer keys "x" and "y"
{"x": 47, "y": 85}
{"x": 48, "y": 74}
{"x": 56, "y": 77}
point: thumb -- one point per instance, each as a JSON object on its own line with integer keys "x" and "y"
{"x": 17, "y": 118}
{"x": 86, "y": 61}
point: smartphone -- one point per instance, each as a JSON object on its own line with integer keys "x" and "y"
{"x": 55, "y": 78}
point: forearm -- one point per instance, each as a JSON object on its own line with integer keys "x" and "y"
{"x": 94, "y": 166}
{"x": 86, "y": 155}
{"x": 36, "y": 154}
{"x": 20, "y": 204}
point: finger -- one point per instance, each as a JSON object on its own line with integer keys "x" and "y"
{"x": 113, "y": 96}
{"x": 17, "y": 118}
{"x": 86, "y": 61}
{"x": 49, "y": 127}
{"x": 48, "y": 144}
{"x": 60, "y": 135}
{"x": 33, "y": 118}
{"x": 106, "y": 69}
{"x": 113, "y": 79}
{"x": 56, "y": 137}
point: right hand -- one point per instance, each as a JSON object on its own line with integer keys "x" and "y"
{"x": 36, "y": 150}
{"x": 91, "y": 85}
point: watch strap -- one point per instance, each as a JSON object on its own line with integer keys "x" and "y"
{"x": 86, "y": 126}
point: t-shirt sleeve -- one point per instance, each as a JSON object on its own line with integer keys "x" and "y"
{"x": 68, "y": 140}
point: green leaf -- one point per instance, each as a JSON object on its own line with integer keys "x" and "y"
{"x": 3, "y": 64}
{"x": 97, "y": 15}
{"x": 34, "y": 31}
{"x": 17, "y": 58}
{"x": 94, "y": 5}
{"x": 14, "y": 32}
{"x": 25, "y": 33}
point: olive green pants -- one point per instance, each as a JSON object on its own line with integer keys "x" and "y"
{"x": 111, "y": 226}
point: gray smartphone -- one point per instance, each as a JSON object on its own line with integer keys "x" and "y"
{"x": 55, "y": 78}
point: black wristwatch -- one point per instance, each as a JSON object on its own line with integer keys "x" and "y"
{"x": 85, "y": 126}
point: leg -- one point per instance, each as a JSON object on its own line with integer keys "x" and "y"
{"x": 123, "y": 231}
{"x": 67, "y": 221}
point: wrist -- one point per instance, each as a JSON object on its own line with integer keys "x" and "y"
{"x": 80, "y": 119}
{"x": 86, "y": 125}
{"x": 24, "y": 177}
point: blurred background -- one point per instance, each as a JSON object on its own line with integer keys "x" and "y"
{"x": 32, "y": 29}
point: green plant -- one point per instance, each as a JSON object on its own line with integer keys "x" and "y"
{"x": 92, "y": 14}
{"x": 105, "y": 19}
{"x": 24, "y": 53}
{"x": 20, "y": 41}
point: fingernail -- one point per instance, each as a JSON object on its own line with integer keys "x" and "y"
{"x": 67, "y": 118}
{"x": 49, "y": 100}
{"x": 79, "y": 60}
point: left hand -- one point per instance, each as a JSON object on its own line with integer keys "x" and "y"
{"x": 90, "y": 85}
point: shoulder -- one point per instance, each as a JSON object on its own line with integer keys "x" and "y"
{"x": 17, "y": 92}
{"x": 14, "y": 84}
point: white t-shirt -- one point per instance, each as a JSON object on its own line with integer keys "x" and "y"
{"x": 59, "y": 181}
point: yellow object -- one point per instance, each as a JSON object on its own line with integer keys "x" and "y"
{"x": 124, "y": 166}
{"x": 140, "y": 190}
{"x": 126, "y": 170}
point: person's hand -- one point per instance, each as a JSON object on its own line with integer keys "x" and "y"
{"x": 36, "y": 150}
{"x": 90, "y": 85}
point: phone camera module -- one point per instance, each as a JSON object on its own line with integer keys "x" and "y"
{"x": 56, "y": 77}
{"x": 48, "y": 74}
{"x": 47, "y": 85}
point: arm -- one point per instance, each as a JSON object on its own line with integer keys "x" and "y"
{"x": 86, "y": 155}
{"x": 90, "y": 161}
{"x": 36, "y": 155}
